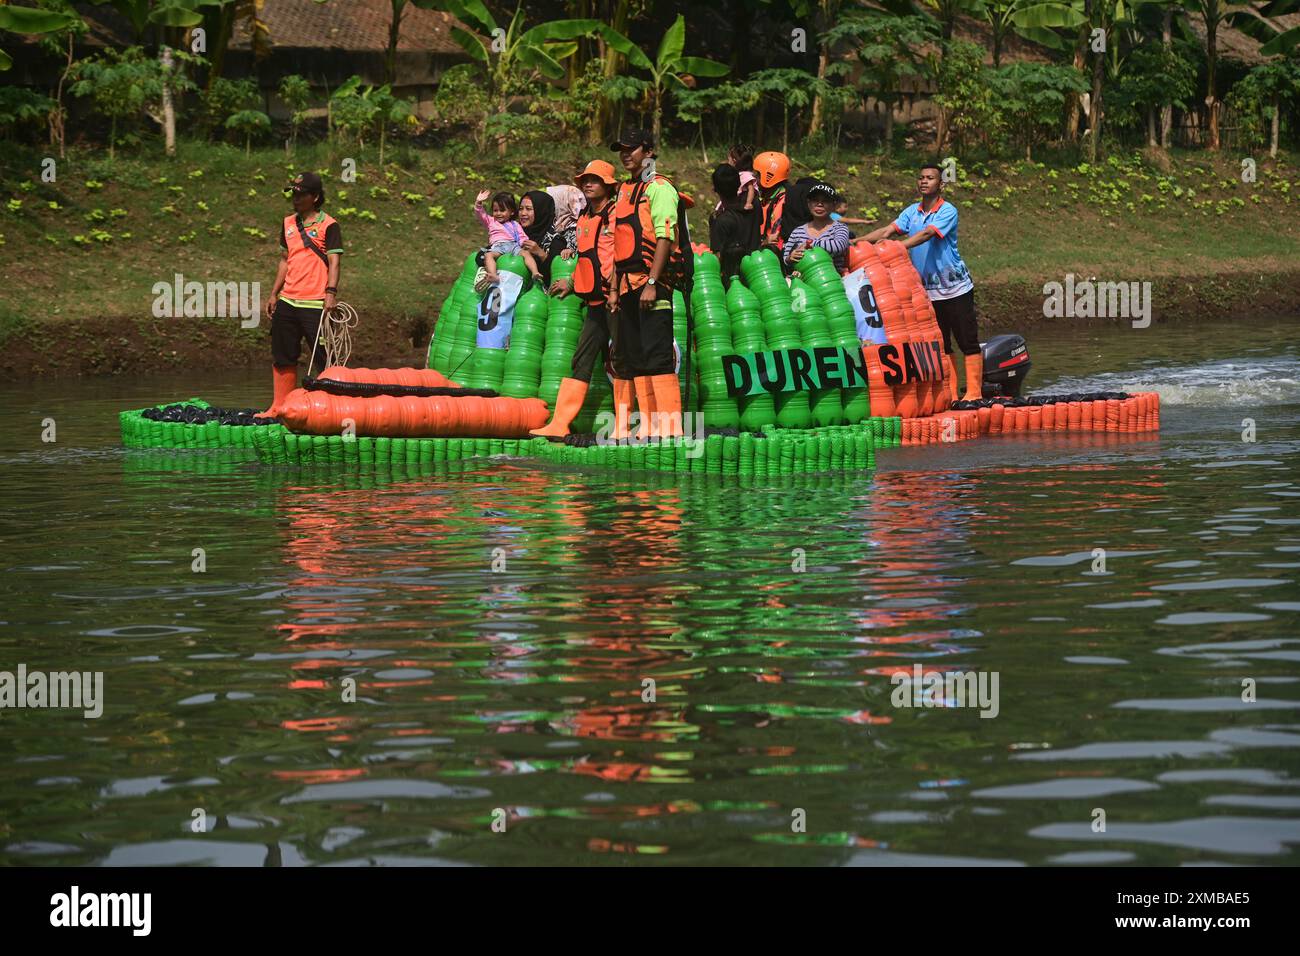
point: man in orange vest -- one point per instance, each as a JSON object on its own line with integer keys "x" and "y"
{"x": 647, "y": 216}
{"x": 306, "y": 285}
{"x": 592, "y": 279}
{"x": 773, "y": 172}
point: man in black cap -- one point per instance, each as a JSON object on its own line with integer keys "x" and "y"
{"x": 306, "y": 285}
{"x": 647, "y": 214}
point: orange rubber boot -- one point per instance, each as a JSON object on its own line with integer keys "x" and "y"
{"x": 950, "y": 373}
{"x": 567, "y": 405}
{"x": 284, "y": 379}
{"x": 668, "y": 405}
{"x": 974, "y": 377}
{"x": 646, "y": 405}
{"x": 622, "y": 408}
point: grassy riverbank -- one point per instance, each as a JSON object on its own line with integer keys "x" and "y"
{"x": 81, "y": 254}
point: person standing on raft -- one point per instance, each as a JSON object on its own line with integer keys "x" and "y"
{"x": 773, "y": 172}
{"x": 593, "y": 279}
{"x": 648, "y": 216}
{"x": 306, "y": 286}
{"x": 931, "y": 229}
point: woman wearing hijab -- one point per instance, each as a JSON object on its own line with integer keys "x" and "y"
{"x": 544, "y": 239}
{"x": 569, "y": 203}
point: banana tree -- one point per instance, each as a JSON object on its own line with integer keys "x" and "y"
{"x": 142, "y": 14}
{"x": 30, "y": 21}
{"x": 1213, "y": 14}
{"x": 510, "y": 55}
{"x": 670, "y": 69}
{"x": 1258, "y": 22}
{"x": 1099, "y": 24}
{"x": 1000, "y": 15}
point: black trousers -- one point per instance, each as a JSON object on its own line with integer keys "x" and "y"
{"x": 593, "y": 341}
{"x": 957, "y": 320}
{"x": 643, "y": 342}
{"x": 290, "y": 324}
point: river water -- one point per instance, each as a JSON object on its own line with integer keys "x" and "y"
{"x": 1134, "y": 598}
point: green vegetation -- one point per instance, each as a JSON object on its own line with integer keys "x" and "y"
{"x": 95, "y": 241}
{"x": 1127, "y": 65}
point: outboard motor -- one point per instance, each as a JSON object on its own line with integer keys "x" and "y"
{"x": 1006, "y": 366}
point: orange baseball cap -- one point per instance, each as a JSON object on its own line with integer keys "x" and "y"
{"x": 600, "y": 169}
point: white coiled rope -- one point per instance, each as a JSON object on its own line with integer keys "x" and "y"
{"x": 335, "y": 333}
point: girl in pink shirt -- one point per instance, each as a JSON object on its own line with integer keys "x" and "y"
{"x": 505, "y": 235}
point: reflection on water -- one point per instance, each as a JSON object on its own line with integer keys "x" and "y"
{"x": 375, "y": 669}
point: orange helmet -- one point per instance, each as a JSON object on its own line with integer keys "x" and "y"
{"x": 771, "y": 168}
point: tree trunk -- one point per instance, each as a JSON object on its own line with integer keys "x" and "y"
{"x": 1151, "y": 126}
{"x": 58, "y": 132}
{"x": 1094, "y": 106}
{"x": 1074, "y": 109}
{"x": 817, "y": 107}
{"x": 785, "y": 129}
{"x": 889, "y": 128}
{"x": 1211, "y": 62}
{"x": 1166, "y": 111}
{"x": 394, "y": 32}
{"x": 383, "y": 136}
{"x": 112, "y": 138}
{"x": 658, "y": 114}
{"x": 826, "y": 12}
{"x": 217, "y": 55}
{"x": 1277, "y": 112}
{"x": 997, "y": 44}
{"x": 168, "y": 110}
{"x": 613, "y": 65}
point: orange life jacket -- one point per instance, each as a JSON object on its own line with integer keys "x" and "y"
{"x": 773, "y": 209}
{"x": 595, "y": 254}
{"x": 634, "y": 232}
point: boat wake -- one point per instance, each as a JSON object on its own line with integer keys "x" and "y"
{"x": 1250, "y": 381}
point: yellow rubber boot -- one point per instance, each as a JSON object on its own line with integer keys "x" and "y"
{"x": 974, "y": 377}
{"x": 284, "y": 379}
{"x": 668, "y": 405}
{"x": 645, "y": 403}
{"x": 622, "y": 408}
{"x": 568, "y": 403}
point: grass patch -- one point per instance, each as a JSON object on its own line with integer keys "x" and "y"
{"x": 95, "y": 241}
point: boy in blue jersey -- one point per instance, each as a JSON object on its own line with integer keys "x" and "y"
{"x": 931, "y": 230}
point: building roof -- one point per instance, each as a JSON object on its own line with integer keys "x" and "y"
{"x": 351, "y": 26}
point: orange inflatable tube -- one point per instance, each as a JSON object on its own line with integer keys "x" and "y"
{"x": 407, "y": 377}
{"x": 319, "y": 413}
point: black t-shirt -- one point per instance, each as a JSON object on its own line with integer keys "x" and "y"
{"x": 734, "y": 233}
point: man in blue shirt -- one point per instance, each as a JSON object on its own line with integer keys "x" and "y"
{"x": 931, "y": 230}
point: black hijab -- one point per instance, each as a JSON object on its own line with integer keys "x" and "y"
{"x": 543, "y": 215}
{"x": 543, "y": 232}
{"x": 796, "y": 211}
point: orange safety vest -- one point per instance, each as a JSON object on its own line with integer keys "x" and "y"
{"x": 634, "y": 230}
{"x": 773, "y": 209}
{"x": 595, "y": 254}
{"x": 307, "y": 274}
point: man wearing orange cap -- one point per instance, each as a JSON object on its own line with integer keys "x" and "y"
{"x": 594, "y": 279}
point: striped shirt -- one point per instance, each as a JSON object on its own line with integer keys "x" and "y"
{"x": 834, "y": 239}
